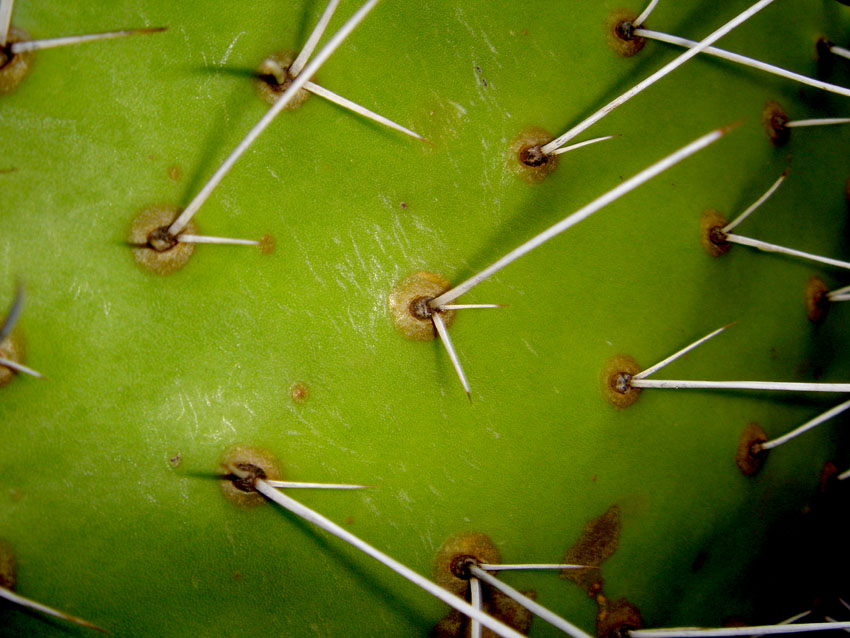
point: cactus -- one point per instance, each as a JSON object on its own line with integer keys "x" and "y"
{"x": 111, "y": 466}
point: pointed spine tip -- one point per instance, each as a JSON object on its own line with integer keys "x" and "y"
{"x": 725, "y": 130}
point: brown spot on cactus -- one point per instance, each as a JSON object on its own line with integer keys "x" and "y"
{"x": 273, "y": 78}
{"x": 597, "y": 543}
{"x": 154, "y": 247}
{"x": 711, "y": 233}
{"x": 527, "y": 159}
{"x": 493, "y": 602}
{"x": 408, "y": 302}
{"x": 749, "y": 455}
{"x": 13, "y": 349}
{"x": 817, "y": 302}
{"x": 507, "y": 610}
{"x": 619, "y": 33}
{"x": 828, "y": 472}
{"x": 14, "y": 67}
{"x": 615, "y": 379}
{"x": 8, "y": 566}
{"x": 299, "y": 393}
{"x": 267, "y": 244}
{"x": 449, "y": 563}
{"x": 775, "y": 120}
{"x": 615, "y": 619}
{"x": 258, "y": 463}
{"x": 175, "y": 173}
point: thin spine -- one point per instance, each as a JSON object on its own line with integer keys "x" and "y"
{"x": 527, "y": 566}
{"x": 840, "y": 51}
{"x": 19, "y": 367}
{"x": 788, "y": 621}
{"x": 471, "y": 306}
{"x": 440, "y": 325}
{"x": 833, "y": 620}
{"x": 778, "y": 386}
{"x": 573, "y": 147}
{"x": 599, "y": 203}
{"x": 475, "y": 600}
{"x": 844, "y": 475}
{"x": 17, "y": 599}
{"x": 313, "y": 40}
{"x": 645, "y": 14}
{"x": 207, "y": 239}
{"x": 822, "y": 121}
{"x": 534, "y": 607}
{"x": 826, "y": 416}
{"x": 652, "y": 370}
{"x": 755, "y": 206}
{"x": 775, "y": 248}
{"x": 14, "y": 313}
{"x": 360, "y": 110}
{"x": 316, "y": 486}
{"x": 838, "y": 297}
{"x": 839, "y": 291}
{"x": 297, "y": 84}
{"x": 71, "y": 40}
{"x": 745, "y": 61}
{"x": 402, "y": 570}
{"x": 723, "y": 632}
{"x": 652, "y": 79}
{"x": 6, "y": 8}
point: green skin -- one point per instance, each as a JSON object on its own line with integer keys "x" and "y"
{"x": 143, "y": 367}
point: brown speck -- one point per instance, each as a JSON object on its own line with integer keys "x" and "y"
{"x": 299, "y": 392}
{"x": 175, "y": 173}
{"x": 6, "y": 171}
{"x": 175, "y": 460}
{"x": 526, "y": 158}
{"x": 403, "y": 206}
{"x": 615, "y": 378}
{"x": 524, "y": 31}
{"x": 817, "y": 302}
{"x": 596, "y": 544}
{"x": 349, "y": 520}
{"x": 619, "y": 36}
{"x": 237, "y": 576}
{"x": 593, "y": 478}
{"x": 774, "y": 119}
{"x": 749, "y": 457}
{"x": 711, "y": 234}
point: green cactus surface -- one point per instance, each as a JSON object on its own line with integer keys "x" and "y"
{"x": 109, "y": 486}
